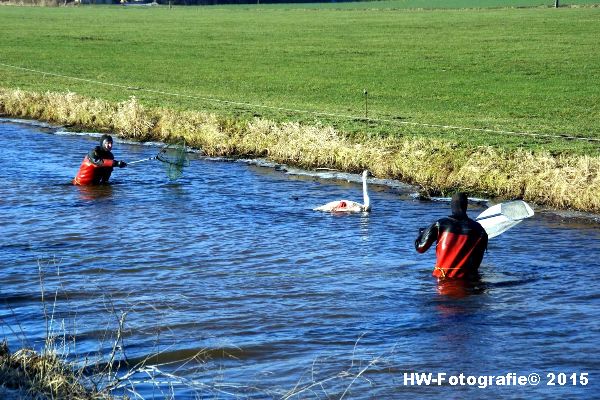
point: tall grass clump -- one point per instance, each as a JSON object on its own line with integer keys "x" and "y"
{"x": 568, "y": 181}
{"x": 41, "y": 376}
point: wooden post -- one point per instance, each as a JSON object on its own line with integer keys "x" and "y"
{"x": 556, "y": 5}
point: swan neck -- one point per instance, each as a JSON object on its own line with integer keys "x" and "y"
{"x": 366, "y": 199}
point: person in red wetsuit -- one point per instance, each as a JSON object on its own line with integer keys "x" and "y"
{"x": 98, "y": 164}
{"x": 461, "y": 242}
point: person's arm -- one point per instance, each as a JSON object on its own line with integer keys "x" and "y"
{"x": 427, "y": 236}
{"x": 484, "y": 237}
{"x": 480, "y": 250}
{"x": 485, "y": 240}
{"x": 96, "y": 159}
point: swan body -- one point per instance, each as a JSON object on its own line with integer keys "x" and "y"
{"x": 349, "y": 205}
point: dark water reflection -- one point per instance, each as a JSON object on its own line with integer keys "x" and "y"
{"x": 229, "y": 269}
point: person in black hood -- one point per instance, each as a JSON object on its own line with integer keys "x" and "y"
{"x": 98, "y": 164}
{"x": 461, "y": 242}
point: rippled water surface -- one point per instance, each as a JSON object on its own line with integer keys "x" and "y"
{"x": 228, "y": 279}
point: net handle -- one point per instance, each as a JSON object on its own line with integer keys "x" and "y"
{"x": 139, "y": 161}
{"x": 156, "y": 157}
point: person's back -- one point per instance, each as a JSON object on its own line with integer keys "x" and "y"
{"x": 461, "y": 242}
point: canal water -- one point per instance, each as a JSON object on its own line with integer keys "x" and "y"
{"x": 230, "y": 286}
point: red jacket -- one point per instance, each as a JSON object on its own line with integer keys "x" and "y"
{"x": 461, "y": 243}
{"x": 95, "y": 168}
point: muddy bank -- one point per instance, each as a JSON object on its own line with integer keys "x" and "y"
{"x": 438, "y": 166}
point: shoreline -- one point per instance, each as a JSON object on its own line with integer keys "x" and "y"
{"x": 438, "y": 167}
{"x": 404, "y": 190}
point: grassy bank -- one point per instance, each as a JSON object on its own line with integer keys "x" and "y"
{"x": 562, "y": 181}
{"x": 506, "y": 70}
{"x": 499, "y": 101}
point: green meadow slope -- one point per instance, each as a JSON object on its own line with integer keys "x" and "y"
{"x": 512, "y": 79}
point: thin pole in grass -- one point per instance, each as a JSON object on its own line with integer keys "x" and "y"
{"x": 366, "y": 103}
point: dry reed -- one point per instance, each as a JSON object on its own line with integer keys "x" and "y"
{"x": 41, "y": 375}
{"x": 564, "y": 181}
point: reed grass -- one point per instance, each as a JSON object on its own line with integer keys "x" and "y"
{"x": 41, "y": 376}
{"x": 439, "y": 166}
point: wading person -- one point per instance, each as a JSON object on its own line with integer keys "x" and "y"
{"x": 461, "y": 242}
{"x": 98, "y": 164}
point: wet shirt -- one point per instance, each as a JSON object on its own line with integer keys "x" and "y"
{"x": 461, "y": 243}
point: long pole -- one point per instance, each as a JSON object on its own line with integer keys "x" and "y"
{"x": 142, "y": 160}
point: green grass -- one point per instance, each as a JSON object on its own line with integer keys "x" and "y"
{"x": 429, "y": 4}
{"x": 529, "y": 70}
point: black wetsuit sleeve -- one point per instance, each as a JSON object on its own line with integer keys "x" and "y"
{"x": 94, "y": 157}
{"x": 480, "y": 251}
{"x": 427, "y": 237}
{"x": 481, "y": 246}
{"x": 484, "y": 241}
{"x": 97, "y": 156}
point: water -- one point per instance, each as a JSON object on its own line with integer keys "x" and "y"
{"x": 231, "y": 271}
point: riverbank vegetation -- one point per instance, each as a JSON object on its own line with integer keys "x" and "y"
{"x": 27, "y": 374}
{"x": 563, "y": 181}
{"x": 501, "y": 102}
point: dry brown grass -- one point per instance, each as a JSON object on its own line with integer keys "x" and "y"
{"x": 566, "y": 181}
{"x": 41, "y": 376}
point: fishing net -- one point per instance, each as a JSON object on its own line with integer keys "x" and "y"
{"x": 174, "y": 158}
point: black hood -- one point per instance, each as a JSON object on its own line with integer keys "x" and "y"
{"x": 103, "y": 138}
{"x": 459, "y": 205}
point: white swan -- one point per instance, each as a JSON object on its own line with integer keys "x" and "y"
{"x": 348, "y": 205}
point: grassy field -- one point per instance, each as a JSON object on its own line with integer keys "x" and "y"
{"x": 433, "y": 4}
{"x": 531, "y": 70}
